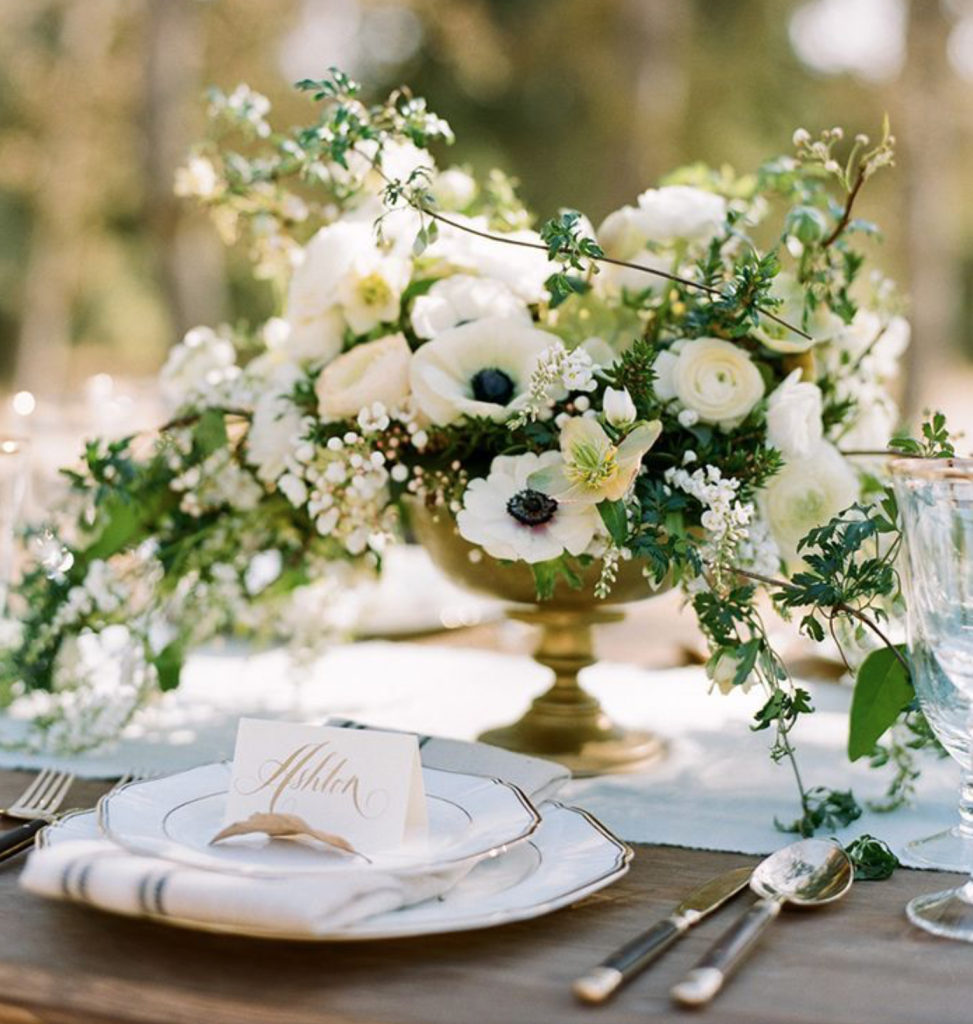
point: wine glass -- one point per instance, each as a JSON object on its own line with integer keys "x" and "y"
{"x": 935, "y": 499}
{"x": 13, "y": 491}
{"x": 947, "y": 711}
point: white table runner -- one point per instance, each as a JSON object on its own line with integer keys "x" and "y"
{"x": 718, "y": 789}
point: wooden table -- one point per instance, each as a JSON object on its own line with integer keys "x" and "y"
{"x": 856, "y": 962}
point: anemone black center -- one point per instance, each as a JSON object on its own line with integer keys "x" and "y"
{"x": 492, "y": 385}
{"x": 532, "y": 508}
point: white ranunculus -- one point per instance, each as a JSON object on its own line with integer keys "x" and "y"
{"x": 315, "y": 318}
{"x": 511, "y": 520}
{"x": 478, "y": 369}
{"x": 714, "y": 378}
{"x": 523, "y": 270}
{"x": 275, "y": 426}
{"x": 623, "y": 236}
{"x": 371, "y": 292}
{"x": 822, "y": 325}
{"x": 377, "y": 371}
{"x": 681, "y": 213}
{"x": 619, "y": 408}
{"x": 874, "y": 419}
{"x": 453, "y": 189}
{"x": 806, "y": 494}
{"x": 202, "y": 362}
{"x": 462, "y": 299}
{"x": 879, "y": 346}
{"x": 794, "y": 424}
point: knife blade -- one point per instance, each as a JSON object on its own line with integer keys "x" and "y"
{"x": 632, "y": 958}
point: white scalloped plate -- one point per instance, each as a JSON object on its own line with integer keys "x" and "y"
{"x": 569, "y": 857}
{"x": 470, "y": 817}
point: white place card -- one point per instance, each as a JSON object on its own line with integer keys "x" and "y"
{"x": 361, "y": 784}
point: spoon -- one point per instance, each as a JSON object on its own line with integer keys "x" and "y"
{"x": 805, "y": 874}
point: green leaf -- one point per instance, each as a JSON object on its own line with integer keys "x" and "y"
{"x": 873, "y": 860}
{"x": 124, "y": 523}
{"x": 546, "y": 575}
{"x": 168, "y": 663}
{"x": 883, "y": 690}
{"x": 616, "y": 521}
{"x": 210, "y": 432}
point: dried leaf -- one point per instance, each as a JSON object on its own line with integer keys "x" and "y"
{"x": 284, "y": 826}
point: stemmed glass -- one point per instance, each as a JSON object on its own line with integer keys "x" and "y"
{"x": 13, "y": 492}
{"x": 936, "y": 507}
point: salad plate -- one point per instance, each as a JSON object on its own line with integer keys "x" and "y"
{"x": 177, "y": 816}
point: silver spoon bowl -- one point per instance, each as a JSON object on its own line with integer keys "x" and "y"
{"x": 805, "y": 874}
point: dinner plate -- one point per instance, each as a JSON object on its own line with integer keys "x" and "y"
{"x": 175, "y": 817}
{"x": 570, "y": 856}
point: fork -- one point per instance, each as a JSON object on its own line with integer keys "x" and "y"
{"x": 37, "y": 805}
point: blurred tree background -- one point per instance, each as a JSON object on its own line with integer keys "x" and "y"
{"x": 586, "y": 102}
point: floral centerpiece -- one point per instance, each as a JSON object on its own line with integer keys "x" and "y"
{"x": 684, "y": 388}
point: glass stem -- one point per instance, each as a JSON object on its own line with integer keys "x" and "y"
{"x": 966, "y": 804}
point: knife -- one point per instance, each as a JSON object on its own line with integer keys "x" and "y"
{"x": 632, "y": 958}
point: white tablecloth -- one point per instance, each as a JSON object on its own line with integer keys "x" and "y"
{"x": 718, "y": 789}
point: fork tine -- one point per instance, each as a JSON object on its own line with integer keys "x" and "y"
{"x": 39, "y": 782}
{"x": 58, "y": 792}
{"x": 39, "y": 801}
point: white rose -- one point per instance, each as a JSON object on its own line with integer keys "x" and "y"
{"x": 714, "y": 378}
{"x": 377, "y": 371}
{"x": 462, "y": 299}
{"x": 453, "y": 189}
{"x": 679, "y": 213}
{"x": 794, "y": 424}
{"x": 275, "y": 425}
{"x": 619, "y": 408}
{"x": 478, "y": 369}
{"x": 822, "y": 325}
{"x": 202, "y": 362}
{"x": 807, "y": 494}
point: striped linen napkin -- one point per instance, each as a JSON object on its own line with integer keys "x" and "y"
{"x": 88, "y": 868}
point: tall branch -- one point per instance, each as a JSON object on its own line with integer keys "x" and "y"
{"x": 846, "y": 213}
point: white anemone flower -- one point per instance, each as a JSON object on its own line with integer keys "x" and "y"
{"x": 510, "y": 520}
{"x": 462, "y": 299}
{"x": 478, "y": 369}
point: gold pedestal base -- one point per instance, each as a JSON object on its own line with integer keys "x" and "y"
{"x": 566, "y": 724}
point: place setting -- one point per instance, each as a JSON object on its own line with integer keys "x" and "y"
{"x": 325, "y": 834}
{"x": 484, "y": 534}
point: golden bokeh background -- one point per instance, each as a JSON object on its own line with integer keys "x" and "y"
{"x": 587, "y": 102}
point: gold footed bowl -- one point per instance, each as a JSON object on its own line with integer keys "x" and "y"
{"x": 566, "y": 723}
